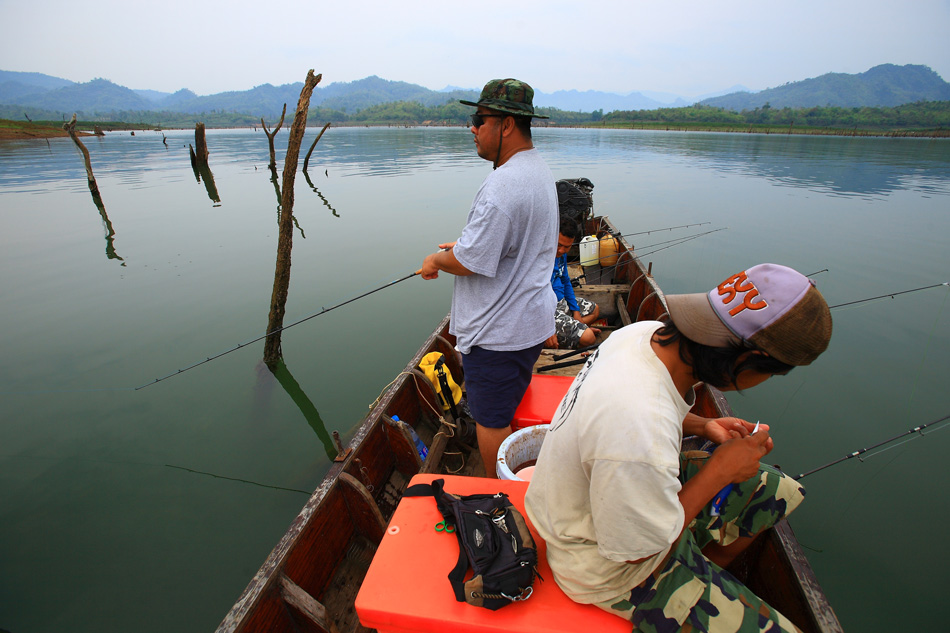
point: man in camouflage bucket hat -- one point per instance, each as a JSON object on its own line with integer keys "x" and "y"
{"x": 502, "y": 97}
{"x": 507, "y": 95}
{"x": 502, "y": 303}
{"x": 628, "y": 519}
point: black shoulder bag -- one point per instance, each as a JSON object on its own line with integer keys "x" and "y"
{"x": 494, "y": 542}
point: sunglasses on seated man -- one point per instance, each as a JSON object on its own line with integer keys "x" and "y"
{"x": 479, "y": 119}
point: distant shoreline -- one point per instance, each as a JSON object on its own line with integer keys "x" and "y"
{"x": 13, "y": 130}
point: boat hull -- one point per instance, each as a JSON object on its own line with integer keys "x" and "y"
{"x": 310, "y": 580}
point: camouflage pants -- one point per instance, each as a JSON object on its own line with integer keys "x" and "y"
{"x": 567, "y": 328}
{"x": 688, "y": 592}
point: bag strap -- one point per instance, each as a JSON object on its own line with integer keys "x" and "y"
{"x": 446, "y": 392}
{"x": 437, "y": 489}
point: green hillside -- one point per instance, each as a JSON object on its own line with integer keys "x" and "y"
{"x": 886, "y": 85}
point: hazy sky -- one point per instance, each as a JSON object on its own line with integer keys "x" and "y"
{"x": 689, "y": 48}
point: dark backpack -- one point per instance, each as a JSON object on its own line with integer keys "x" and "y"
{"x": 575, "y": 200}
{"x": 494, "y": 542}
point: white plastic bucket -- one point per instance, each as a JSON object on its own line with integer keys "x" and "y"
{"x": 590, "y": 250}
{"x": 520, "y": 449}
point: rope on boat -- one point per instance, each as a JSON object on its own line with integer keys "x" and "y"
{"x": 916, "y": 429}
{"x": 280, "y": 329}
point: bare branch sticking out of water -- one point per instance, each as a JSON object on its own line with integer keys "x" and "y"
{"x": 306, "y": 161}
{"x": 275, "y": 321}
{"x": 270, "y": 137}
{"x": 70, "y": 128}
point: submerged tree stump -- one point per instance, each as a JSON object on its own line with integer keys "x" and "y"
{"x": 275, "y": 321}
{"x": 270, "y": 135}
{"x": 201, "y": 146}
{"x": 70, "y": 128}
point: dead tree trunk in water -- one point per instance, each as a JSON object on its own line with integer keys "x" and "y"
{"x": 275, "y": 320}
{"x": 306, "y": 161}
{"x": 270, "y": 135}
{"x": 94, "y": 189}
{"x": 71, "y": 130}
{"x": 201, "y": 147}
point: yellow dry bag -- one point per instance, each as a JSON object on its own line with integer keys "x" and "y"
{"x": 433, "y": 365}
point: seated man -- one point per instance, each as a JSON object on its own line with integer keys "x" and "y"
{"x": 626, "y": 516}
{"x": 574, "y": 314}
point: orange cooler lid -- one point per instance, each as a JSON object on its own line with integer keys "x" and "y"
{"x": 407, "y": 589}
{"x": 541, "y": 400}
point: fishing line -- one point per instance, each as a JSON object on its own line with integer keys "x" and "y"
{"x": 680, "y": 241}
{"x": 916, "y": 429}
{"x": 243, "y": 481}
{"x": 891, "y": 295}
{"x": 280, "y": 329}
{"x": 669, "y": 228}
{"x": 923, "y": 357}
{"x": 677, "y": 241}
{"x": 34, "y": 392}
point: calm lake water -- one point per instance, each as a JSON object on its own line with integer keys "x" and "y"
{"x": 125, "y": 509}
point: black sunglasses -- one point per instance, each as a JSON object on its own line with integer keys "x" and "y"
{"x": 478, "y": 119}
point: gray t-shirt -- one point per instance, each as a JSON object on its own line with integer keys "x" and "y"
{"x": 509, "y": 242}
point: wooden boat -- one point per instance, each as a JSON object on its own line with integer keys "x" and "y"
{"x": 311, "y": 578}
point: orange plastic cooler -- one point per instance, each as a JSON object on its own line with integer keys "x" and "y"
{"x": 541, "y": 400}
{"x": 407, "y": 589}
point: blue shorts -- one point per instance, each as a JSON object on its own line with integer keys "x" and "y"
{"x": 495, "y": 383}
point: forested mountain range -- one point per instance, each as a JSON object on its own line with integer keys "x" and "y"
{"x": 885, "y": 85}
{"x": 50, "y": 97}
{"x": 99, "y": 95}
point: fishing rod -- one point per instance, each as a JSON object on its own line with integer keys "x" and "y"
{"x": 676, "y": 242}
{"x": 569, "y": 363}
{"x": 579, "y": 350}
{"x": 669, "y": 228}
{"x": 916, "y": 429}
{"x": 891, "y": 295}
{"x": 280, "y": 329}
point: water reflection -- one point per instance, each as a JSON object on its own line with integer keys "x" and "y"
{"x": 845, "y": 166}
{"x": 303, "y": 402}
{"x": 110, "y": 232}
{"x": 837, "y": 165}
{"x": 280, "y": 201}
{"x": 203, "y": 173}
{"x": 197, "y": 282}
{"x": 323, "y": 198}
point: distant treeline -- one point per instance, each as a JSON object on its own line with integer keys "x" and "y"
{"x": 922, "y": 116}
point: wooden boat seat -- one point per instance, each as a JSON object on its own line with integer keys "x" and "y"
{"x": 406, "y": 589}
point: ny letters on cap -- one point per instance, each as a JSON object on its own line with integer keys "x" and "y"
{"x": 777, "y": 309}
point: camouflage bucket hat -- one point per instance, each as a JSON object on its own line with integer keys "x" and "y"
{"x": 507, "y": 95}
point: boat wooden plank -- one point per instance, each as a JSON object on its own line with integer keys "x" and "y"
{"x": 366, "y": 516}
{"x": 314, "y": 615}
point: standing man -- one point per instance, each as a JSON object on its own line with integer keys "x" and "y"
{"x": 502, "y": 304}
{"x": 628, "y": 519}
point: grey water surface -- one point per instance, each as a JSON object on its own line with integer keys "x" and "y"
{"x": 125, "y": 508}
